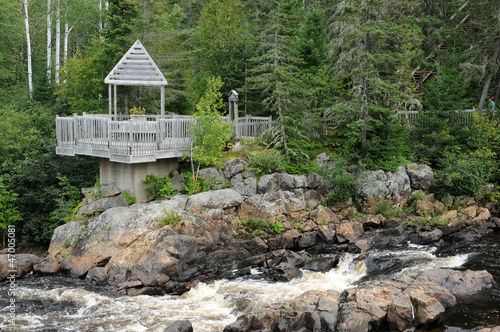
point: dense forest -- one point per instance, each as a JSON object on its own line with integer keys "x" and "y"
{"x": 333, "y": 74}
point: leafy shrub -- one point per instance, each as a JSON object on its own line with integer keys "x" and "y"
{"x": 343, "y": 183}
{"x": 267, "y": 163}
{"x": 262, "y": 227}
{"x": 462, "y": 174}
{"x": 171, "y": 218}
{"x": 159, "y": 187}
{"x": 130, "y": 198}
{"x": 387, "y": 210}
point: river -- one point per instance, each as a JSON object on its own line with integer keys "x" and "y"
{"x": 60, "y": 303}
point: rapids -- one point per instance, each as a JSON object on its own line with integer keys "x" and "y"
{"x": 65, "y": 304}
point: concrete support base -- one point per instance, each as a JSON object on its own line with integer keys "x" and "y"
{"x": 129, "y": 177}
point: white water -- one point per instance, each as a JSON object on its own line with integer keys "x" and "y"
{"x": 210, "y": 307}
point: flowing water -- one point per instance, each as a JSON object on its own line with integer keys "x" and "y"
{"x": 67, "y": 304}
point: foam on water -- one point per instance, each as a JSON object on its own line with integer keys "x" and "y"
{"x": 210, "y": 307}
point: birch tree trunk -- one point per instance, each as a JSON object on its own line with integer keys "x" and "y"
{"x": 58, "y": 39}
{"x": 100, "y": 17}
{"x": 67, "y": 30}
{"x": 49, "y": 41}
{"x": 490, "y": 76}
{"x": 28, "y": 47}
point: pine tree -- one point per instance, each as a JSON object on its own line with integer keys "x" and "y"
{"x": 276, "y": 73}
{"x": 372, "y": 43}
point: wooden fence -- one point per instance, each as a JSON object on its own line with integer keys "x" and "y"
{"x": 413, "y": 118}
{"x": 122, "y": 139}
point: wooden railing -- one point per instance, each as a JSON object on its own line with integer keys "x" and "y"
{"x": 412, "y": 118}
{"x": 123, "y": 140}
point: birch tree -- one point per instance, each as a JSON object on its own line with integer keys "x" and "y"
{"x": 28, "y": 47}
{"x": 49, "y": 41}
{"x": 58, "y": 40}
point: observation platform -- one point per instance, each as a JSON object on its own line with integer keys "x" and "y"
{"x": 138, "y": 139}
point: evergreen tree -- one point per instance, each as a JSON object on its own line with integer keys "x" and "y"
{"x": 373, "y": 43}
{"x": 276, "y": 73}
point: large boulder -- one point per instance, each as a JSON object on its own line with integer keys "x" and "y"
{"x": 224, "y": 199}
{"x": 233, "y": 167}
{"x": 458, "y": 282}
{"x": 379, "y": 185}
{"x": 100, "y": 199}
{"x": 421, "y": 177}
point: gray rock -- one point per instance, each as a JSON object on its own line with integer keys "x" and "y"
{"x": 101, "y": 205}
{"x": 267, "y": 184}
{"x": 178, "y": 181}
{"x": 210, "y": 174}
{"x": 458, "y": 282}
{"x": 378, "y": 185}
{"x": 246, "y": 187}
{"x": 421, "y": 176}
{"x": 218, "y": 199}
{"x": 233, "y": 167}
{"x": 322, "y": 160}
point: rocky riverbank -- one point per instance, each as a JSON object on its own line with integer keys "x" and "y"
{"x": 168, "y": 246}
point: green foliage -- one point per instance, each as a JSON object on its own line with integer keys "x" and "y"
{"x": 344, "y": 184}
{"x": 447, "y": 90}
{"x": 220, "y": 38}
{"x": 211, "y": 133}
{"x": 130, "y": 198}
{"x": 267, "y": 162}
{"x": 159, "y": 187}
{"x": 67, "y": 204}
{"x": 386, "y": 145}
{"x": 171, "y": 218}
{"x": 262, "y": 227}
{"x": 462, "y": 174}
{"x": 9, "y": 213}
{"x": 385, "y": 208}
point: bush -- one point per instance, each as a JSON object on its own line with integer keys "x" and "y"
{"x": 462, "y": 174}
{"x": 171, "y": 218}
{"x": 159, "y": 187}
{"x": 343, "y": 183}
{"x": 267, "y": 163}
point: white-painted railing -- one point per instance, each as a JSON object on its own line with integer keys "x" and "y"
{"x": 123, "y": 139}
{"x": 252, "y": 127}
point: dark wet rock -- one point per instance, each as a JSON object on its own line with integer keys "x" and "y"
{"x": 256, "y": 246}
{"x": 327, "y": 233}
{"x": 308, "y": 239}
{"x": 180, "y": 326}
{"x": 286, "y": 272}
{"x": 370, "y": 221}
{"x": 97, "y": 275}
{"x": 48, "y": 266}
{"x": 321, "y": 264}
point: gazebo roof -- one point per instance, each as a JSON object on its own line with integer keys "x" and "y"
{"x": 136, "y": 68}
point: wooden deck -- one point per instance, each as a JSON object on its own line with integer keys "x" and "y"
{"x": 120, "y": 139}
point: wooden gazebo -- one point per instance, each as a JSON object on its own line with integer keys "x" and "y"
{"x": 136, "y": 68}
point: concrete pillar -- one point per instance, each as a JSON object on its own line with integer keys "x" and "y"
{"x": 129, "y": 177}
